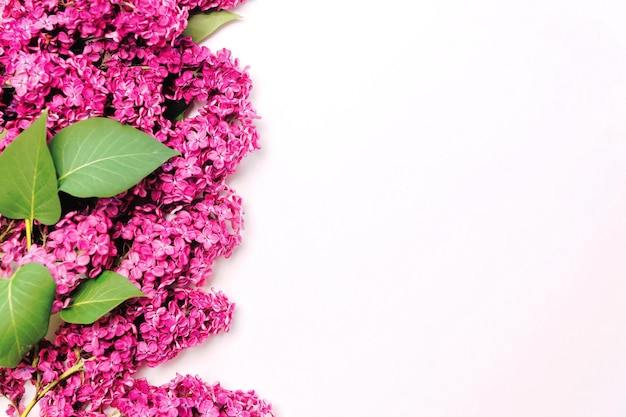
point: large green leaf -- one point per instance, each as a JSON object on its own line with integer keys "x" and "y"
{"x": 96, "y": 297}
{"x": 203, "y": 24}
{"x": 100, "y": 157}
{"x": 25, "y": 303}
{"x": 28, "y": 183}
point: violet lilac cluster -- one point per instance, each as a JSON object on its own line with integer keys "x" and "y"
{"x": 128, "y": 60}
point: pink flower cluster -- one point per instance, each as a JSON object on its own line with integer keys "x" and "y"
{"x": 187, "y": 396}
{"x": 127, "y": 60}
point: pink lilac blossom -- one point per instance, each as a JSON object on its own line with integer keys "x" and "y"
{"x": 187, "y": 396}
{"x": 127, "y": 60}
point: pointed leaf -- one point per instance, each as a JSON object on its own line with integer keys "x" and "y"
{"x": 100, "y": 157}
{"x": 202, "y": 25}
{"x": 96, "y": 297}
{"x": 25, "y": 304}
{"x": 28, "y": 184}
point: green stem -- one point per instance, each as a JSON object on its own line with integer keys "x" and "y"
{"x": 77, "y": 367}
{"x": 29, "y": 232}
{"x": 34, "y": 365}
{"x": 6, "y": 231}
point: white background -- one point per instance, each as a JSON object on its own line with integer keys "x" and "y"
{"x": 436, "y": 224}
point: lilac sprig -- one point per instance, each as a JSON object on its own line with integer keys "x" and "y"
{"x": 127, "y": 60}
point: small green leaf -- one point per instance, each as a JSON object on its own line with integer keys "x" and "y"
{"x": 203, "y": 24}
{"x": 96, "y": 297}
{"x": 100, "y": 157}
{"x": 25, "y": 303}
{"x": 3, "y": 134}
{"x": 28, "y": 183}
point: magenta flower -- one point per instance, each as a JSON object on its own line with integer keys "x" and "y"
{"x": 126, "y": 59}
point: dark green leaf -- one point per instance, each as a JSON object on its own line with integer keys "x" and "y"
{"x": 28, "y": 183}
{"x": 100, "y": 157}
{"x": 96, "y": 297}
{"x": 25, "y": 303}
{"x": 202, "y": 25}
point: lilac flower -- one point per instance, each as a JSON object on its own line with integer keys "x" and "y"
{"x": 127, "y": 60}
{"x": 179, "y": 321}
{"x": 187, "y": 396}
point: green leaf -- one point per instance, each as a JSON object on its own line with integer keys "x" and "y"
{"x": 203, "y": 24}
{"x": 28, "y": 183}
{"x": 100, "y": 157}
{"x": 96, "y": 297}
{"x": 25, "y": 303}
